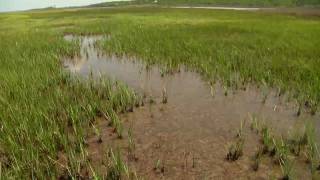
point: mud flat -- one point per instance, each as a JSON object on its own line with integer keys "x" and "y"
{"x": 185, "y": 126}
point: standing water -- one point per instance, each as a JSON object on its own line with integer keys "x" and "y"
{"x": 188, "y": 133}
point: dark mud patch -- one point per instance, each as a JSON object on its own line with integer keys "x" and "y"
{"x": 186, "y": 136}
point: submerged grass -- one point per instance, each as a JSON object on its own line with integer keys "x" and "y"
{"x": 284, "y": 151}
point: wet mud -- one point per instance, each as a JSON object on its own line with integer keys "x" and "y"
{"x": 186, "y": 125}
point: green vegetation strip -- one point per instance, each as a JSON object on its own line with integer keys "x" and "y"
{"x": 236, "y": 2}
{"x": 246, "y": 3}
{"x": 44, "y": 111}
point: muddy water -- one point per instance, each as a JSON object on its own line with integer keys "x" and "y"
{"x": 189, "y": 134}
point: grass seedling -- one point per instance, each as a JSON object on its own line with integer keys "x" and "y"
{"x": 159, "y": 167}
{"x": 265, "y": 93}
{"x": 212, "y": 88}
{"x": 267, "y": 140}
{"x": 98, "y": 134}
{"x": 164, "y": 96}
{"x": 163, "y": 71}
{"x": 151, "y": 100}
{"x": 240, "y": 130}
{"x": 299, "y": 110}
{"x": 312, "y": 152}
{"x": 225, "y": 90}
{"x": 117, "y": 169}
{"x": 116, "y": 123}
{"x": 235, "y": 150}
{"x": 254, "y": 126}
{"x": 119, "y": 128}
{"x": 131, "y": 145}
{"x": 297, "y": 139}
{"x": 313, "y": 108}
{"x": 257, "y": 159}
{"x": 281, "y": 150}
{"x": 287, "y": 169}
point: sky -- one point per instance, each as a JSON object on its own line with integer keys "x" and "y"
{"x": 17, "y": 5}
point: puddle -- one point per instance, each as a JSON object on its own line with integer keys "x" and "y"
{"x": 190, "y": 133}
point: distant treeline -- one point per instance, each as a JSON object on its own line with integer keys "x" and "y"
{"x": 236, "y": 2}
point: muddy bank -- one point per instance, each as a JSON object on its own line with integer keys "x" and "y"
{"x": 186, "y": 125}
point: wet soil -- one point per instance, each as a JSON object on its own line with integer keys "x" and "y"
{"x": 187, "y": 137}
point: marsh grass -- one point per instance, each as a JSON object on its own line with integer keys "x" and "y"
{"x": 267, "y": 141}
{"x": 235, "y": 149}
{"x": 257, "y": 159}
{"x": 287, "y": 168}
{"x": 281, "y": 151}
{"x": 265, "y": 92}
{"x": 220, "y": 46}
{"x": 131, "y": 145}
{"x": 240, "y": 132}
{"x": 263, "y": 3}
{"x": 117, "y": 168}
{"x": 116, "y": 123}
{"x": 312, "y": 151}
{"x": 45, "y": 111}
{"x": 164, "y": 96}
{"x": 159, "y": 166}
{"x": 255, "y": 123}
{"x": 297, "y": 140}
{"x": 97, "y": 133}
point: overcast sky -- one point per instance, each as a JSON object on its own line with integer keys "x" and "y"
{"x": 15, "y": 5}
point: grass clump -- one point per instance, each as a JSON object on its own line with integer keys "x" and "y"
{"x": 131, "y": 145}
{"x": 281, "y": 151}
{"x": 297, "y": 140}
{"x": 255, "y": 123}
{"x": 287, "y": 169}
{"x": 312, "y": 152}
{"x": 235, "y": 150}
{"x": 267, "y": 141}
{"x": 257, "y": 159}
{"x": 164, "y": 96}
{"x": 116, "y": 123}
{"x": 159, "y": 166}
{"x": 117, "y": 168}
